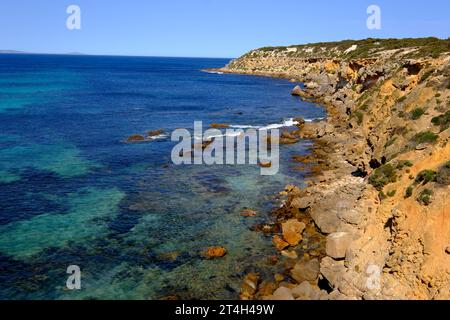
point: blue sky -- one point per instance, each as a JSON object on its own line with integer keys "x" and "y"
{"x": 207, "y": 28}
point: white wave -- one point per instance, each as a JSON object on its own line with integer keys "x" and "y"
{"x": 312, "y": 120}
{"x": 244, "y": 127}
{"x": 214, "y": 72}
{"x": 158, "y": 137}
{"x": 286, "y": 123}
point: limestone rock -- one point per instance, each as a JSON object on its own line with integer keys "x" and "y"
{"x": 332, "y": 270}
{"x": 306, "y": 270}
{"x": 302, "y": 202}
{"x": 304, "y": 291}
{"x": 282, "y": 293}
{"x": 337, "y": 244}
{"x": 289, "y": 254}
{"x": 292, "y": 231}
{"x": 279, "y": 243}
{"x": 297, "y": 91}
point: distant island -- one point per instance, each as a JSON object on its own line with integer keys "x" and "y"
{"x": 12, "y": 52}
{"x": 24, "y": 52}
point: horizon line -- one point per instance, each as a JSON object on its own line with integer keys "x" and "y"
{"x": 18, "y": 52}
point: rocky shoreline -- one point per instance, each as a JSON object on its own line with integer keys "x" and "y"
{"x": 382, "y": 229}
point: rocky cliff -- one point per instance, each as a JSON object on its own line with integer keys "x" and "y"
{"x": 380, "y": 192}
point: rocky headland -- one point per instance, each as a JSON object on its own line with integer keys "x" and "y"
{"x": 377, "y": 199}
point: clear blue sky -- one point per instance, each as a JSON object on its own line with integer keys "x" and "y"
{"x": 208, "y": 28}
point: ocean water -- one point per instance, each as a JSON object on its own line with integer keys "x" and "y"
{"x": 72, "y": 192}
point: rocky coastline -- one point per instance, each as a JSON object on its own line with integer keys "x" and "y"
{"x": 377, "y": 202}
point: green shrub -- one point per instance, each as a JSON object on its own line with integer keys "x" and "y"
{"x": 425, "y": 197}
{"x": 437, "y": 95}
{"x": 359, "y": 116}
{"x": 442, "y": 120}
{"x": 401, "y": 99}
{"x": 426, "y": 176}
{"x": 383, "y": 176}
{"x": 390, "y": 142}
{"x": 426, "y": 75}
{"x": 425, "y": 136}
{"x": 409, "y": 192}
{"x": 443, "y": 174}
{"x": 404, "y": 163}
{"x": 391, "y": 193}
{"x": 417, "y": 113}
{"x": 400, "y": 130}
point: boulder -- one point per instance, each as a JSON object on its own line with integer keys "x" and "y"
{"x": 337, "y": 244}
{"x": 289, "y": 254}
{"x": 422, "y": 146}
{"x": 282, "y": 293}
{"x": 305, "y": 291}
{"x": 154, "y": 133}
{"x": 265, "y": 164}
{"x": 292, "y": 231}
{"x": 306, "y": 270}
{"x": 249, "y": 286}
{"x": 219, "y": 125}
{"x": 136, "y": 138}
{"x": 266, "y": 289}
{"x": 279, "y": 243}
{"x": 214, "y": 252}
{"x": 302, "y": 202}
{"x": 297, "y": 91}
{"x": 332, "y": 270}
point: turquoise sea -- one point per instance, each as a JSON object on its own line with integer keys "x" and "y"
{"x": 72, "y": 192}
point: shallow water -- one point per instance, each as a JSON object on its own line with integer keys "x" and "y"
{"x": 72, "y": 192}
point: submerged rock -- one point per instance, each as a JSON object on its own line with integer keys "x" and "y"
{"x": 247, "y": 212}
{"x": 249, "y": 286}
{"x": 288, "y": 140}
{"x": 214, "y": 252}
